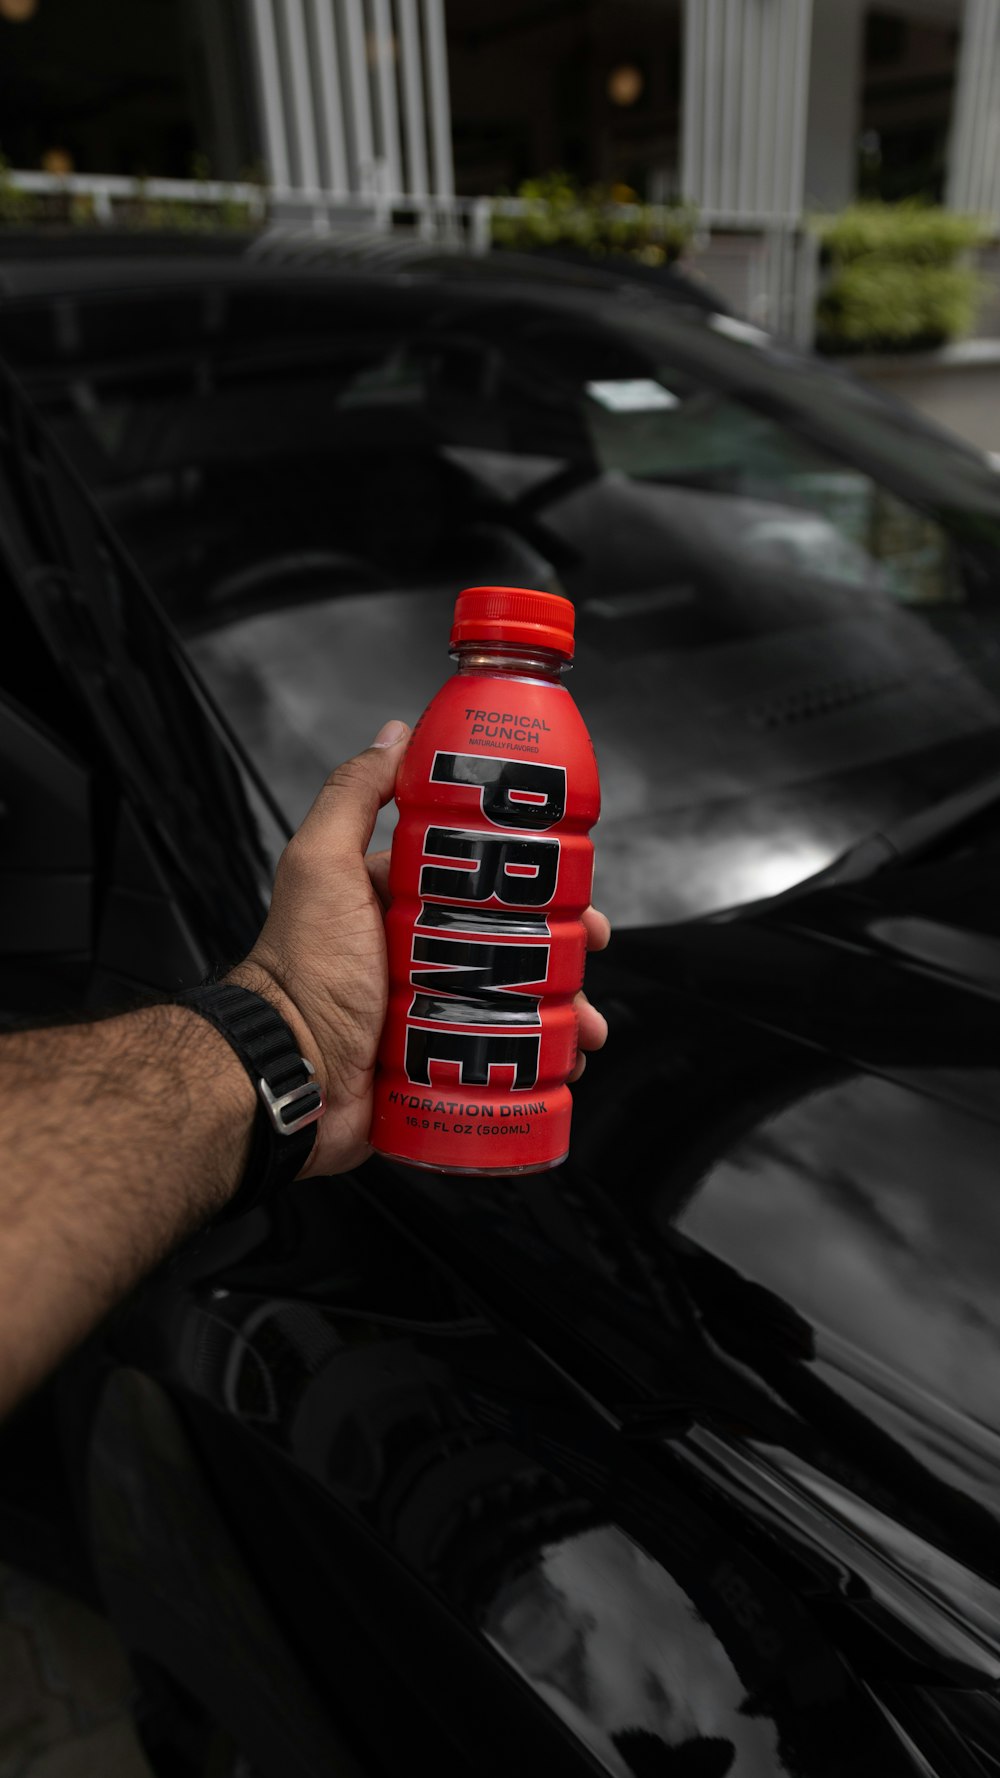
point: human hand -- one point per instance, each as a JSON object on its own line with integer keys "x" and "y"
{"x": 321, "y": 955}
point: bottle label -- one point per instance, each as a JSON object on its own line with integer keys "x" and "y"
{"x": 490, "y": 873}
{"x": 478, "y": 986}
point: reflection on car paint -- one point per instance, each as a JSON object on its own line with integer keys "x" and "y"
{"x": 684, "y": 1456}
{"x": 729, "y": 1368}
{"x": 621, "y": 1652}
{"x": 635, "y": 1617}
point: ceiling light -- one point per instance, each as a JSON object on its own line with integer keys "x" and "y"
{"x": 625, "y": 84}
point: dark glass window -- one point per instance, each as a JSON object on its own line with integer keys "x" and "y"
{"x": 779, "y": 649}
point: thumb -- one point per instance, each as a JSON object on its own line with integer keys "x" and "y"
{"x": 341, "y": 819}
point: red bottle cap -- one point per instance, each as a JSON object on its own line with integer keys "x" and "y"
{"x": 514, "y": 614}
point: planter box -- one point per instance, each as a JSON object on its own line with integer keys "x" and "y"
{"x": 958, "y": 386}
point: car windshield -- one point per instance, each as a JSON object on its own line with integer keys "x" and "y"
{"x": 781, "y": 644}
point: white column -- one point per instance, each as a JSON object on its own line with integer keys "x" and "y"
{"x": 355, "y": 75}
{"x": 330, "y": 107}
{"x": 730, "y": 159}
{"x": 385, "y": 80}
{"x": 755, "y": 71}
{"x": 974, "y": 156}
{"x": 438, "y": 97}
{"x": 746, "y": 68}
{"x": 303, "y": 123}
{"x": 413, "y": 97}
{"x": 331, "y": 99}
{"x": 272, "y": 104}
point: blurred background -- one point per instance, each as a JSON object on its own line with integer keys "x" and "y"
{"x": 740, "y": 135}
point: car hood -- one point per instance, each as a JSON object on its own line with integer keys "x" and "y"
{"x": 751, "y": 1326}
{"x": 728, "y": 773}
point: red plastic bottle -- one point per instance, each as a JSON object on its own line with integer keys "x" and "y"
{"x": 491, "y": 870}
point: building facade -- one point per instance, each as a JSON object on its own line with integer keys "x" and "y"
{"x": 755, "y": 110}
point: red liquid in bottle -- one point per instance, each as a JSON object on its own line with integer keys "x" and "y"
{"x": 491, "y": 871}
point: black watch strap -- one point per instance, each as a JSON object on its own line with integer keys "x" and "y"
{"x": 289, "y": 1102}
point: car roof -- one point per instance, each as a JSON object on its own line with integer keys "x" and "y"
{"x": 839, "y": 412}
{"x": 42, "y": 262}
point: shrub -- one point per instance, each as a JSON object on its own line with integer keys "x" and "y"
{"x": 64, "y": 207}
{"x": 896, "y": 281}
{"x": 914, "y": 232}
{"x": 555, "y": 212}
{"x": 14, "y": 204}
{"x": 142, "y": 211}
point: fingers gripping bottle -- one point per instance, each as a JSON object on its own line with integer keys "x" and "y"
{"x": 491, "y": 871}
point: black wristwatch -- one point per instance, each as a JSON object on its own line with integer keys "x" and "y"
{"x": 289, "y": 1102}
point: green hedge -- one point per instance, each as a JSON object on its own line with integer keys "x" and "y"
{"x": 555, "y": 212}
{"x": 34, "y": 209}
{"x": 896, "y": 281}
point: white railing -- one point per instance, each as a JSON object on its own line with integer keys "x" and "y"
{"x": 767, "y": 269}
{"x": 112, "y": 196}
{"x": 107, "y": 191}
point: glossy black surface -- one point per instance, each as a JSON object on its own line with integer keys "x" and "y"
{"x": 697, "y": 1436}
{"x": 684, "y": 1458}
{"x": 786, "y": 590}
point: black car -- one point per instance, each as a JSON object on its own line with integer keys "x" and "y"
{"x": 686, "y": 1456}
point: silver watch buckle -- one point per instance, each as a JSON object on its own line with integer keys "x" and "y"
{"x": 275, "y": 1103}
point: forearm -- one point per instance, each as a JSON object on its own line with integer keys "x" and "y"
{"x": 117, "y": 1139}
